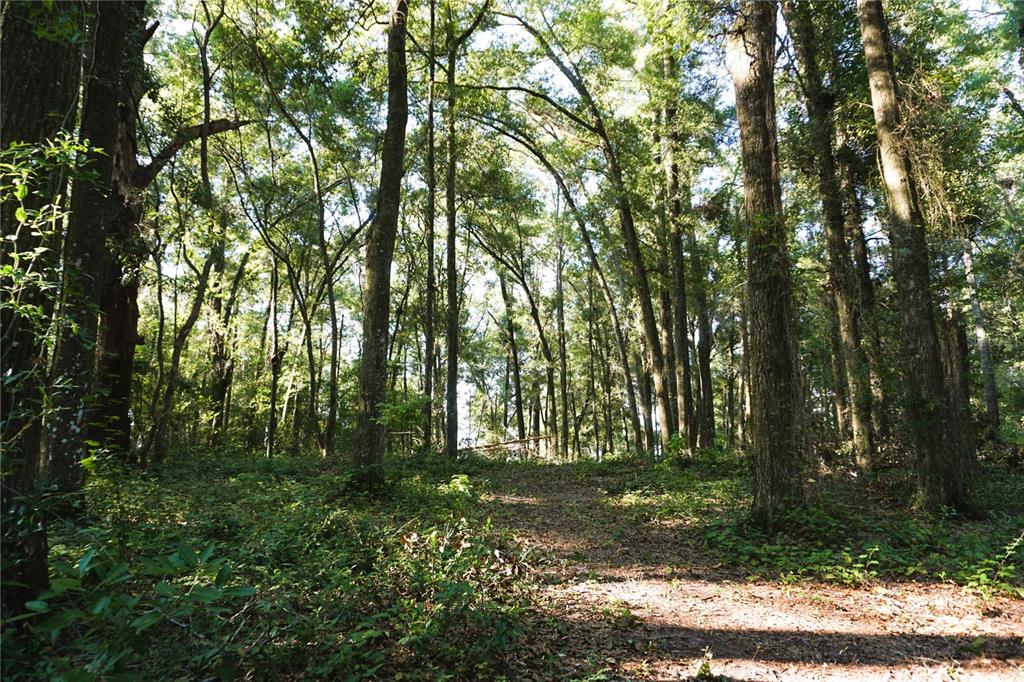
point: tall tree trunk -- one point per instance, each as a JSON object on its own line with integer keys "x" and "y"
{"x": 595, "y": 263}
{"x": 276, "y": 358}
{"x": 157, "y": 437}
{"x": 39, "y": 80}
{"x": 871, "y": 343}
{"x": 428, "y": 307}
{"x": 706, "y": 405}
{"x": 684, "y": 390}
{"x": 837, "y": 358}
{"x": 774, "y": 382}
{"x": 380, "y": 247}
{"x": 92, "y": 206}
{"x": 644, "y": 391}
{"x": 988, "y": 373}
{"x": 943, "y": 449}
{"x": 451, "y": 440}
{"x": 563, "y": 369}
{"x": 800, "y": 22}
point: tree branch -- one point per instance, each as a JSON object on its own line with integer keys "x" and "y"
{"x": 144, "y": 175}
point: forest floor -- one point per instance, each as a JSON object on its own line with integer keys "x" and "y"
{"x": 228, "y": 566}
{"x": 631, "y": 595}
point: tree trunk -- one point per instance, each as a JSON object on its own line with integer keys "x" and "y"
{"x": 706, "y": 405}
{"x": 39, "y": 80}
{"x": 865, "y": 290}
{"x": 837, "y": 358}
{"x": 939, "y": 439}
{"x": 774, "y": 382}
{"x": 988, "y": 373}
{"x": 684, "y": 391}
{"x": 157, "y": 437}
{"x": 276, "y": 358}
{"x": 563, "y": 369}
{"x": 627, "y": 225}
{"x": 840, "y": 270}
{"x": 451, "y": 268}
{"x": 380, "y": 248}
{"x": 93, "y": 204}
{"x": 428, "y": 307}
{"x": 513, "y": 350}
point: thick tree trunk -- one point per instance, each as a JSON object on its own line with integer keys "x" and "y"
{"x": 39, "y": 81}
{"x": 800, "y": 22}
{"x": 92, "y": 207}
{"x": 774, "y": 376}
{"x": 940, "y": 440}
{"x": 380, "y": 248}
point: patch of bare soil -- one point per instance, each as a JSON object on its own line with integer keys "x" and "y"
{"x": 625, "y": 599}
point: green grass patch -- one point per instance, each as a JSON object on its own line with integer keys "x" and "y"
{"x": 850, "y": 530}
{"x": 228, "y": 569}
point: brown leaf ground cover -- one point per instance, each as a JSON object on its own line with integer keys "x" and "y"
{"x": 636, "y": 596}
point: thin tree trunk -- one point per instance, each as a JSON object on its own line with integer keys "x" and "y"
{"x": 988, "y": 373}
{"x": 684, "y": 390}
{"x": 275, "y": 363}
{"x": 513, "y": 350}
{"x": 428, "y": 307}
{"x": 563, "y": 370}
{"x": 706, "y": 406}
{"x": 157, "y": 438}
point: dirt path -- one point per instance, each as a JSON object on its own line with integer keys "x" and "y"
{"x": 635, "y": 600}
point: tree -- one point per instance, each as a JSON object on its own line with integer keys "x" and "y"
{"x": 774, "y": 384}
{"x": 39, "y": 82}
{"x": 93, "y": 205}
{"x": 938, "y": 435}
{"x": 800, "y": 22}
{"x": 380, "y": 245}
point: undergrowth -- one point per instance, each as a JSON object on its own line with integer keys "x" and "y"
{"x": 231, "y": 568}
{"x": 850, "y": 530}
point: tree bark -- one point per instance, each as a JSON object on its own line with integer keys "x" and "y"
{"x": 431, "y": 210}
{"x": 939, "y": 438}
{"x": 93, "y": 204}
{"x": 39, "y": 82}
{"x": 380, "y": 248}
{"x": 774, "y": 382}
{"x": 867, "y": 317}
{"x": 563, "y": 369}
